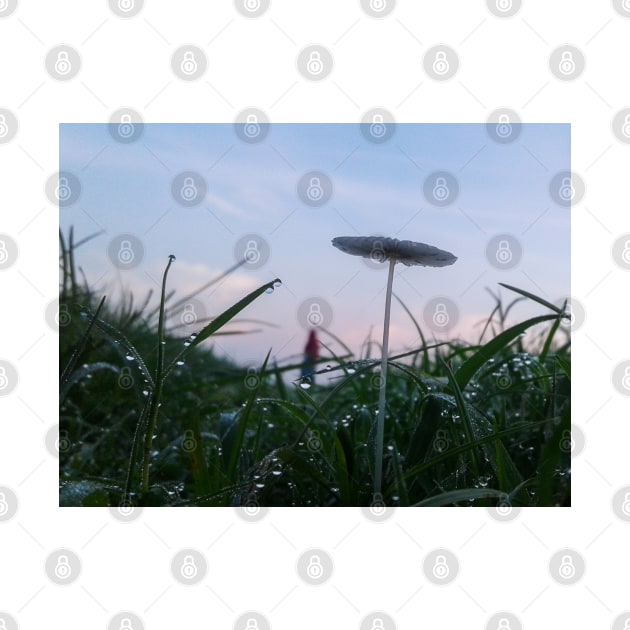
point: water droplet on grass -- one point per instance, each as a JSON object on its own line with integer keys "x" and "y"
{"x": 306, "y": 383}
{"x": 129, "y": 357}
{"x": 179, "y": 363}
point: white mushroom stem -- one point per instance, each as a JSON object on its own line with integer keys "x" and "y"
{"x": 380, "y": 419}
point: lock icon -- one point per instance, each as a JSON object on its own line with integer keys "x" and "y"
{"x": 63, "y": 317}
{"x": 314, "y": 569}
{"x": 125, "y": 622}
{"x": 125, "y": 380}
{"x": 125, "y": 126}
{"x": 625, "y": 254}
{"x": 125, "y": 253}
{"x": 440, "y": 443}
{"x": 251, "y": 380}
{"x": 315, "y": 317}
{"x": 126, "y": 5}
{"x": 626, "y": 624}
{"x": 4, "y": 254}
{"x": 625, "y": 128}
{"x": 569, "y": 314}
{"x": 189, "y": 190}
{"x": 377, "y": 128}
{"x": 252, "y": 624}
{"x": 504, "y": 128}
{"x": 4, "y": 381}
{"x": 567, "y": 568}
{"x": 315, "y": 191}
{"x": 63, "y": 441}
{"x": 503, "y": 624}
{"x": 189, "y": 316}
{"x": 252, "y": 128}
{"x": 440, "y": 568}
{"x": 504, "y": 508}
{"x": 63, "y": 569}
{"x": 567, "y": 63}
{"x": 625, "y": 381}
{"x": 4, "y": 128}
{"x": 314, "y": 64}
{"x": 566, "y": 192}
{"x": 378, "y": 252}
{"x": 567, "y": 443}
{"x": 440, "y": 317}
{"x": 377, "y": 624}
{"x": 504, "y": 5}
{"x": 189, "y": 568}
{"x": 626, "y": 5}
{"x": 440, "y": 63}
{"x": 504, "y": 253}
{"x": 189, "y": 63}
{"x": 252, "y": 253}
{"x": 377, "y": 506}
{"x": 314, "y": 441}
{"x": 189, "y": 443}
{"x": 252, "y": 5}
{"x": 625, "y": 506}
{"x": 62, "y": 65}
{"x": 4, "y": 506}
{"x": 63, "y": 192}
{"x": 378, "y": 5}
{"x": 440, "y": 189}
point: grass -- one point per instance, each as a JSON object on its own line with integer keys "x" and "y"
{"x": 150, "y": 417}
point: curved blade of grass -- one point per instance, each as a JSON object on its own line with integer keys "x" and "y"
{"x": 467, "y": 420}
{"x": 113, "y": 333}
{"x": 82, "y": 372}
{"x": 467, "y": 370}
{"x": 464, "y": 494}
{"x": 69, "y": 369}
{"x": 531, "y": 296}
{"x": 218, "y": 323}
{"x": 548, "y": 341}
{"x": 457, "y": 450}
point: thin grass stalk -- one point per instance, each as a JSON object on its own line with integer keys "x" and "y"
{"x": 159, "y": 380}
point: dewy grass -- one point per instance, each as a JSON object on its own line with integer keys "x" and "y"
{"x": 468, "y": 424}
{"x": 382, "y": 249}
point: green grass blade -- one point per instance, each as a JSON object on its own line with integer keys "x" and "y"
{"x": 467, "y": 370}
{"x": 457, "y": 496}
{"x": 219, "y": 322}
{"x": 533, "y": 297}
{"x": 242, "y": 420}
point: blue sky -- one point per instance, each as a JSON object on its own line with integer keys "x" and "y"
{"x": 377, "y": 189}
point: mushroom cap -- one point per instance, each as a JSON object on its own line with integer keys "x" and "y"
{"x": 383, "y": 248}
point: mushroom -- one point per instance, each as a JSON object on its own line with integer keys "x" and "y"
{"x": 382, "y": 249}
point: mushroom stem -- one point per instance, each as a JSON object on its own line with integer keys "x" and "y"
{"x": 380, "y": 419}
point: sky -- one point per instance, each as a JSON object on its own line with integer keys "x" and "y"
{"x": 252, "y": 196}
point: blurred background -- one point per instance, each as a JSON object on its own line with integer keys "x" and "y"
{"x": 268, "y": 198}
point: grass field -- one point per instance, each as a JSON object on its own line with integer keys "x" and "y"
{"x": 150, "y": 418}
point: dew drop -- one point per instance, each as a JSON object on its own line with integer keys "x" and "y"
{"x": 306, "y": 383}
{"x": 129, "y": 357}
{"x": 179, "y": 363}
